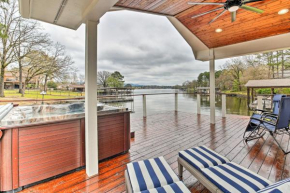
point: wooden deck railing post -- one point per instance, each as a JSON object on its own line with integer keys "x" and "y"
{"x": 260, "y": 102}
{"x": 176, "y": 102}
{"x": 224, "y": 105}
{"x": 198, "y": 103}
{"x": 144, "y": 106}
{"x": 212, "y": 86}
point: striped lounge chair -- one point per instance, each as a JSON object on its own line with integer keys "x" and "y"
{"x": 152, "y": 176}
{"x": 218, "y": 174}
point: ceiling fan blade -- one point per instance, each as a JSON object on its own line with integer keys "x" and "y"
{"x": 234, "y": 16}
{"x": 254, "y": 9}
{"x": 251, "y": 1}
{"x": 195, "y": 16}
{"x": 204, "y": 3}
{"x": 221, "y": 13}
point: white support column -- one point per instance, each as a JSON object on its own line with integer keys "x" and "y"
{"x": 198, "y": 103}
{"x": 212, "y": 86}
{"x": 260, "y": 102}
{"x": 224, "y": 105}
{"x": 176, "y": 102}
{"x": 91, "y": 119}
{"x": 144, "y": 106}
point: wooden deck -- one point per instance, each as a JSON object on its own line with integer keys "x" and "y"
{"x": 167, "y": 133}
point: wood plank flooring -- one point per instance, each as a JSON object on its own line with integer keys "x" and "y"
{"x": 165, "y": 134}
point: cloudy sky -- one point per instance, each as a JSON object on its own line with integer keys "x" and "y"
{"x": 145, "y": 48}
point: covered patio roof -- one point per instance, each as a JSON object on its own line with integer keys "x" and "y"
{"x": 271, "y": 83}
{"x": 250, "y": 33}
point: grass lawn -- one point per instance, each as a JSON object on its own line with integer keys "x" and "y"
{"x": 35, "y": 94}
{"x": 234, "y": 92}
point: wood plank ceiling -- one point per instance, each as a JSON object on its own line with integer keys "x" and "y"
{"x": 248, "y": 26}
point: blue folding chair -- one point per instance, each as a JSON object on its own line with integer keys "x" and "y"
{"x": 277, "y": 124}
{"x": 255, "y": 131}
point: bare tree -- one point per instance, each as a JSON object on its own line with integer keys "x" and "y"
{"x": 2, "y": 26}
{"x": 103, "y": 78}
{"x": 82, "y": 78}
{"x": 29, "y": 39}
{"x": 74, "y": 76}
{"x": 235, "y": 68}
{"x": 59, "y": 66}
{"x": 9, "y": 17}
{"x": 33, "y": 65}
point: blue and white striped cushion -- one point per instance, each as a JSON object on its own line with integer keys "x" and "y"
{"x": 202, "y": 157}
{"x": 177, "y": 187}
{"x": 232, "y": 178}
{"x": 278, "y": 187}
{"x": 150, "y": 174}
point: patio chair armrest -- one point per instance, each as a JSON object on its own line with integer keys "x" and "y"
{"x": 263, "y": 121}
{"x": 259, "y": 110}
{"x": 269, "y": 115}
{"x": 268, "y": 122}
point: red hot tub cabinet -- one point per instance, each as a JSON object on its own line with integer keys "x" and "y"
{"x": 35, "y": 152}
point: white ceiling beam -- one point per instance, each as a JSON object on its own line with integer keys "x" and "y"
{"x": 138, "y": 10}
{"x": 96, "y": 9}
{"x": 24, "y": 8}
{"x": 273, "y": 43}
{"x": 72, "y": 15}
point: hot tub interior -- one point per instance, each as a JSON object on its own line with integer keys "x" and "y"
{"x": 38, "y": 113}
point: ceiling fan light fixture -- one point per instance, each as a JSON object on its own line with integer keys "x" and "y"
{"x": 283, "y": 11}
{"x": 233, "y": 8}
{"x": 218, "y": 30}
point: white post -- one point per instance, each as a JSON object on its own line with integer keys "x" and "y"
{"x": 91, "y": 119}
{"x": 176, "y": 102}
{"x": 198, "y": 103}
{"x": 260, "y": 102}
{"x": 144, "y": 106}
{"x": 224, "y": 105}
{"x": 212, "y": 86}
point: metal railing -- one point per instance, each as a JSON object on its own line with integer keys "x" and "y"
{"x": 144, "y": 104}
{"x": 176, "y": 102}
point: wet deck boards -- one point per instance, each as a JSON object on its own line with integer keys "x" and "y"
{"x": 167, "y": 133}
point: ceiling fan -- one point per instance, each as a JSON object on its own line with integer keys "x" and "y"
{"x": 230, "y": 5}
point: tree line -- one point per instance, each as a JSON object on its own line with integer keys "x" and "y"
{"x": 27, "y": 51}
{"x": 236, "y": 72}
{"x": 108, "y": 79}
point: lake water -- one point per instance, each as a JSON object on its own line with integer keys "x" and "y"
{"x": 186, "y": 103}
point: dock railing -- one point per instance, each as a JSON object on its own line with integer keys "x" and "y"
{"x": 144, "y": 98}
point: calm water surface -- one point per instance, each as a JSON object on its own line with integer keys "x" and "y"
{"x": 186, "y": 103}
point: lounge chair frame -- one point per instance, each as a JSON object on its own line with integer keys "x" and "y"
{"x": 274, "y": 120}
{"x": 199, "y": 176}
{"x": 273, "y": 134}
{"x": 128, "y": 183}
{"x": 258, "y": 131}
{"x": 255, "y": 133}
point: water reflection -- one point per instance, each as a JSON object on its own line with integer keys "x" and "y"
{"x": 186, "y": 103}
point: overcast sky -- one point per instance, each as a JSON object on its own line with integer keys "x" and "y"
{"x": 145, "y": 48}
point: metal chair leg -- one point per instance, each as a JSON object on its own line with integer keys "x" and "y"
{"x": 259, "y": 134}
{"x": 285, "y": 152}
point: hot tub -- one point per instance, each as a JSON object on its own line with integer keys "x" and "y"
{"x": 40, "y": 142}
